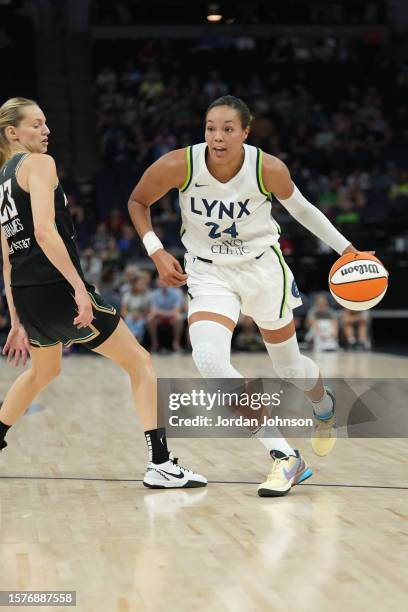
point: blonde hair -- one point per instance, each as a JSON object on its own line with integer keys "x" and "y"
{"x": 10, "y": 114}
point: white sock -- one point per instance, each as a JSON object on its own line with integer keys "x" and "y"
{"x": 272, "y": 439}
{"x": 323, "y": 407}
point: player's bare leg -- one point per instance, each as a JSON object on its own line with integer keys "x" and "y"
{"x": 122, "y": 348}
{"x": 162, "y": 470}
{"x": 45, "y": 366}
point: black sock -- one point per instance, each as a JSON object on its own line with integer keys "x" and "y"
{"x": 3, "y": 430}
{"x": 157, "y": 445}
{"x": 277, "y": 454}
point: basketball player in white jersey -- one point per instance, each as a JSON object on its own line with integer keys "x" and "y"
{"x": 234, "y": 263}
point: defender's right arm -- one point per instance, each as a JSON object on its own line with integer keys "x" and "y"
{"x": 17, "y": 344}
{"x": 166, "y": 173}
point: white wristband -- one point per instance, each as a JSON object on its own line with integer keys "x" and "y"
{"x": 152, "y": 243}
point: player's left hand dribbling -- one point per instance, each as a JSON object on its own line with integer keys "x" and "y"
{"x": 352, "y": 249}
{"x": 17, "y": 346}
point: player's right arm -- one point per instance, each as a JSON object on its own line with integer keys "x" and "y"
{"x": 166, "y": 173}
{"x": 41, "y": 177}
{"x": 17, "y": 344}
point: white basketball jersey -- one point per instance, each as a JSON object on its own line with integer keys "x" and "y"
{"x": 226, "y": 223}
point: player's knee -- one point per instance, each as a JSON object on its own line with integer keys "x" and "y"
{"x": 145, "y": 361}
{"x": 288, "y": 371}
{"x": 209, "y": 362}
{"x": 136, "y": 359}
{"x": 43, "y": 376}
{"x": 302, "y": 372}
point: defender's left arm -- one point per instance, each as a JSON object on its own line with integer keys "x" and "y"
{"x": 278, "y": 181}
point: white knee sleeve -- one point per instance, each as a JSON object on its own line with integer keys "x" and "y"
{"x": 211, "y": 344}
{"x": 290, "y": 365}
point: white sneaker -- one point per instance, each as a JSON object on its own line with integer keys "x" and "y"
{"x": 170, "y": 475}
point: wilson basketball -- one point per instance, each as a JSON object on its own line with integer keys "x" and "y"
{"x": 358, "y": 281}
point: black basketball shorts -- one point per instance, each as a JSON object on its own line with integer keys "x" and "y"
{"x": 47, "y": 313}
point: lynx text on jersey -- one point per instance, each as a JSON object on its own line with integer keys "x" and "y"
{"x": 218, "y": 209}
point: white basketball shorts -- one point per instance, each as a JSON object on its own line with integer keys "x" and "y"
{"x": 262, "y": 288}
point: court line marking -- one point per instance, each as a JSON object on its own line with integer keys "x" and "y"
{"x": 238, "y": 482}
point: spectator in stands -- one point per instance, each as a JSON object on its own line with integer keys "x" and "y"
{"x": 107, "y": 79}
{"x": 152, "y": 85}
{"x": 115, "y": 222}
{"x": 215, "y": 87}
{"x": 355, "y": 329}
{"x": 329, "y": 198}
{"x": 129, "y": 244}
{"x": 131, "y": 77}
{"x": 91, "y": 265}
{"x": 166, "y": 309}
{"x": 135, "y": 307}
{"x": 324, "y": 136}
{"x": 262, "y": 129}
{"x": 111, "y": 255}
{"x": 322, "y": 325}
{"x": 399, "y": 193}
{"x": 108, "y": 287}
{"x": 101, "y": 238}
{"x": 130, "y": 273}
{"x": 348, "y": 217}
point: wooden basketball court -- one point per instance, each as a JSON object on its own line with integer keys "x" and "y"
{"x": 75, "y": 516}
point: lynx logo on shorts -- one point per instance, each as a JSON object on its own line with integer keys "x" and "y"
{"x": 8, "y": 208}
{"x": 295, "y": 290}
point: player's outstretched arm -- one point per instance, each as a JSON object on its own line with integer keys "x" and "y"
{"x": 166, "y": 173}
{"x": 278, "y": 181}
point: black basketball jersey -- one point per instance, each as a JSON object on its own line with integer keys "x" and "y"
{"x": 29, "y": 264}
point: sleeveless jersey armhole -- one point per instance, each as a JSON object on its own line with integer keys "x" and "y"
{"x": 189, "y": 154}
{"x": 259, "y": 177}
{"x": 261, "y": 184}
{"x": 17, "y": 168}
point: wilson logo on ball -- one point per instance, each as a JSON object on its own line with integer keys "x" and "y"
{"x": 361, "y": 268}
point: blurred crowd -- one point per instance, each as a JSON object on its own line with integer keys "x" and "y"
{"x": 333, "y": 109}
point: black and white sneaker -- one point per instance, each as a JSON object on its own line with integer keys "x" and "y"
{"x": 171, "y": 475}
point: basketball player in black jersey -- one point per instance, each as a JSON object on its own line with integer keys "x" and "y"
{"x": 50, "y": 303}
